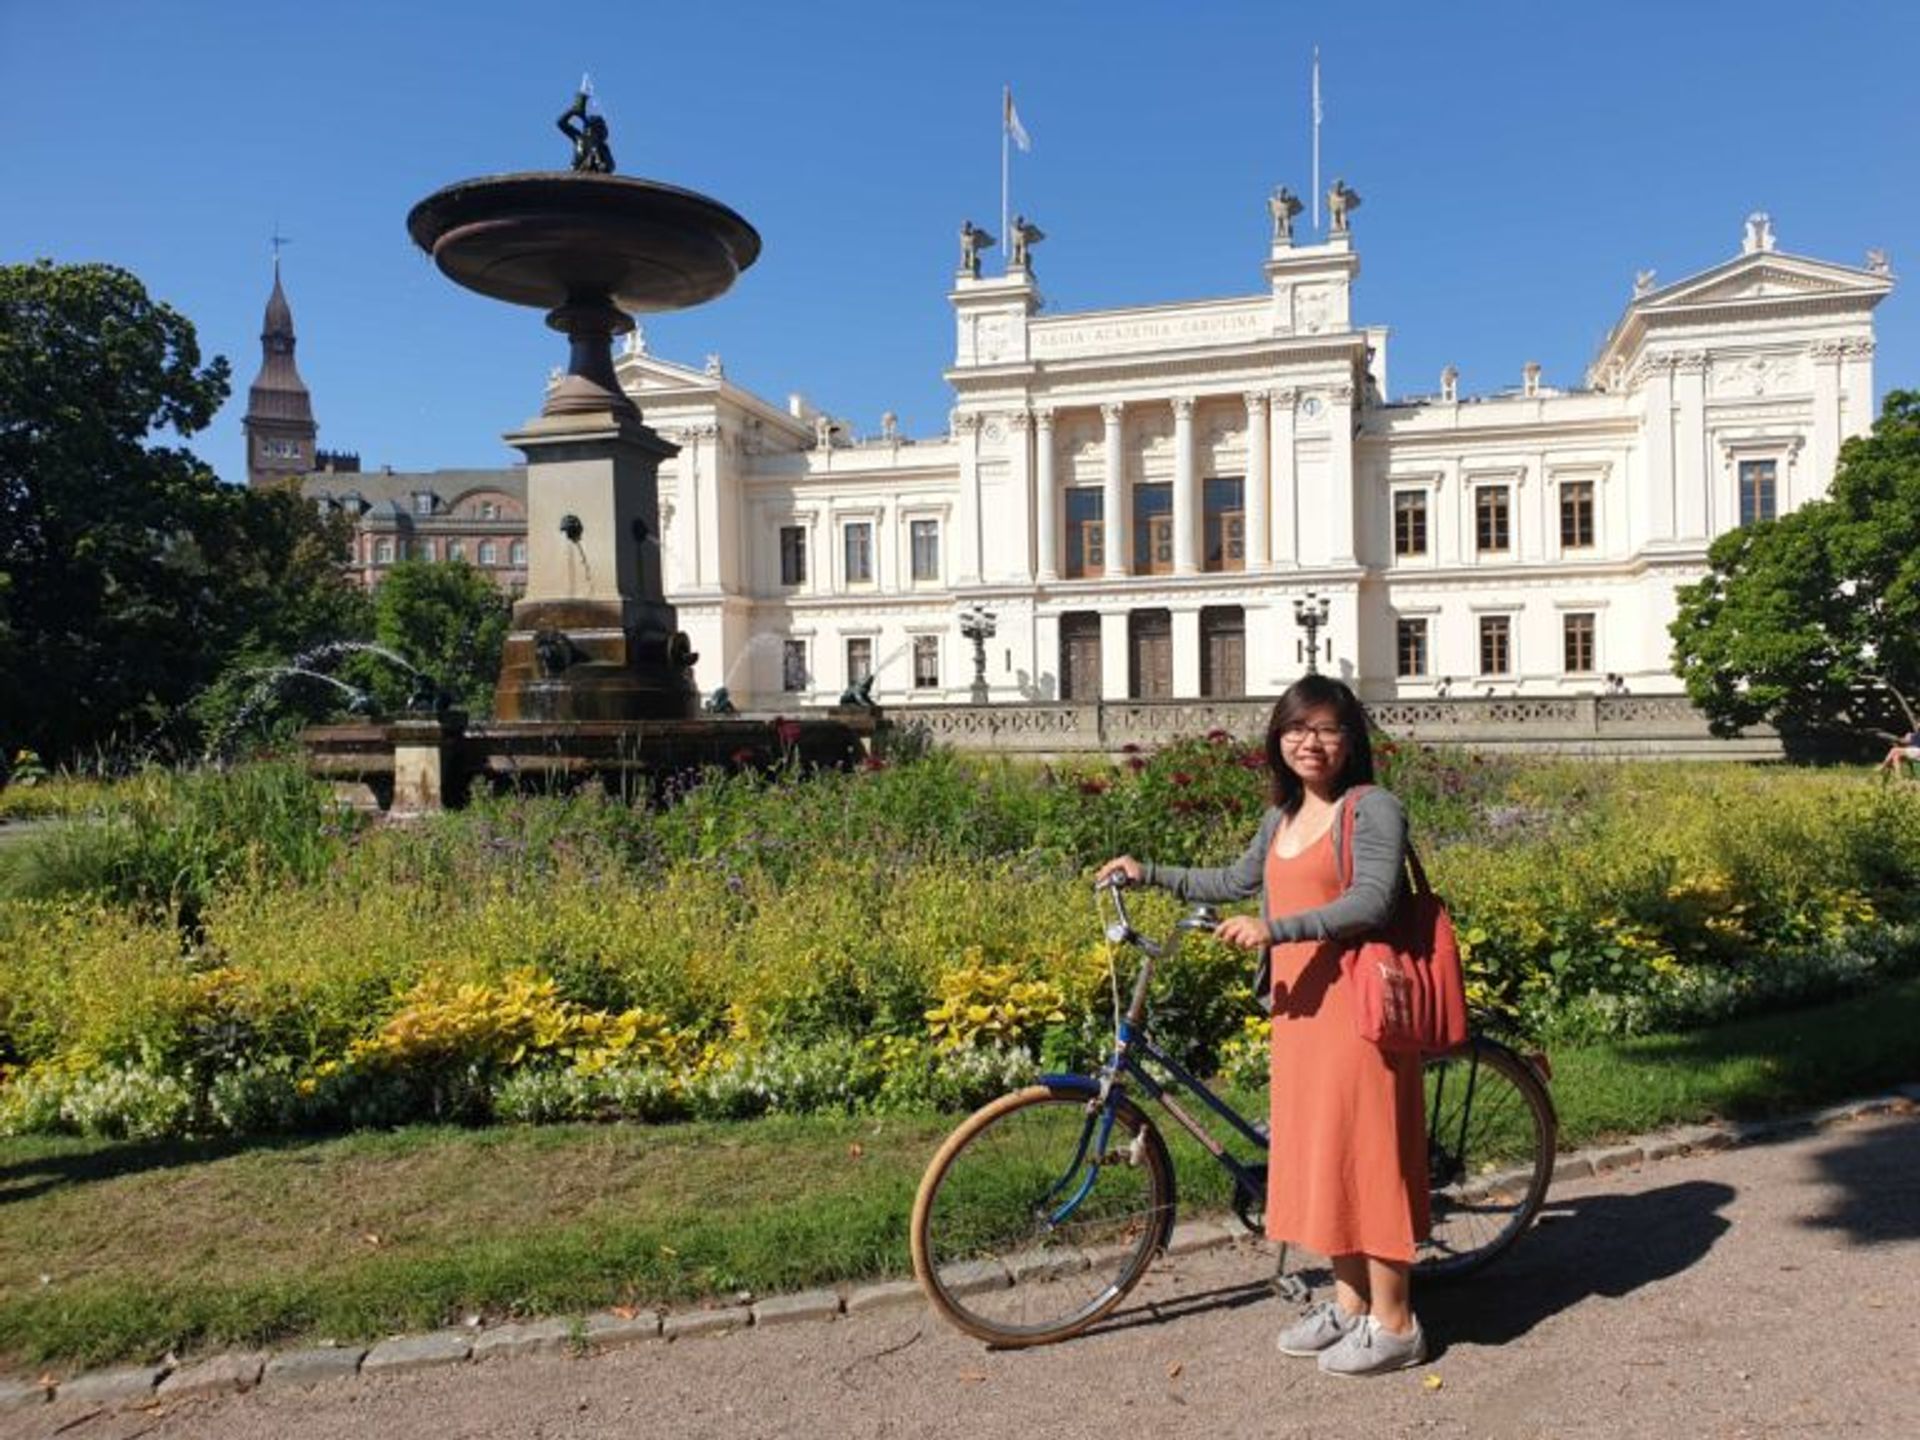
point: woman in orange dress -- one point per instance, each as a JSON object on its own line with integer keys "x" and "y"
{"x": 1349, "y": 1172}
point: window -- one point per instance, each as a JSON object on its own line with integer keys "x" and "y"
{"x": 1411, "y": 648}
{"x": 926, "y": 549}
{"x": 383, "y": 552}
{"x": 517, "y": 553}
{"x": 1224, "y": 521}
{"x": 489, "y": 553}
{"x": 1086, "y": 532}
{"x": 420, "y": 550}
{"x": 793, "y": 555}
{"x": 859, "y": 660}
{"x": 1576, "y": 515}
{"x": 457, "y": 550}
{"x": 1490, "y": 526}
{"x": 1756, "y": 491}
{"x": 859, "y": 539}
{"x": 926, "y": 662}
{"x": 793, "y": 665}
{"x": 422, "y": 502}
{"x": 1153, "y": 529}
{"x": 1409, "y": 522}
{"x": 1496, "y": 644}
{"x": 489, "y": 510}
{"x": 1578, "y": 646}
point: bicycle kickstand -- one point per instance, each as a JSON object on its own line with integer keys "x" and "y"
{"x": 1290, "y": 1288}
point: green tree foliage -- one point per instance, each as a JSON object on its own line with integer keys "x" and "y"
{"x": 450, "y": 620}
{"x": 130, "y": 578}
{"x": 1812, "y": 622}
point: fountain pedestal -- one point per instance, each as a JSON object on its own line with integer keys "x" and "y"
{"x": 594, "y": 638}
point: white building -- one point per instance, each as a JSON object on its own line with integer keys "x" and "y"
{"x": 1140, "y": 496}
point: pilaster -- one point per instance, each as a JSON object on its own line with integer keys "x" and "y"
{"x": 1186, "y": 652}
{"x": 967, "y": 518}
{"x": 1344, "y": 496}
{"x": 1015, "y": 560}
{"x": 1186, "y": 528}
{"x": 1827, "y": 426}
{"x": 1116, "y": 526}
{"x": 1046, "y": 500}
{"x": 1259, "y": 538}
{"x": 1284, "y": 461}
{"x": 1114, "y": 655}
{"x": 1690, "y": 458}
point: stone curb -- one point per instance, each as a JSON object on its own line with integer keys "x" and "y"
{"x": 241, "y": 1370}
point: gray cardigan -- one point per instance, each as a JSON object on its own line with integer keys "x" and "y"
{"x": 1379, "y": 868}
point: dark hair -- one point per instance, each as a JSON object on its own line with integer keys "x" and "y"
{"x": 1318, "y": 692}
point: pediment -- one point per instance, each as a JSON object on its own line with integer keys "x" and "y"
{"x": 1762, "y": 277}
{"x": 641, "y": 372}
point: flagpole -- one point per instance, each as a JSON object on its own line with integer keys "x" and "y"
{"x": 1316, "y": 137}
{"x": 1006, "y": 135}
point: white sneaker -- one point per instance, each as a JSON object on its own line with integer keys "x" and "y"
{"x": 1325, "y": 1325}
{"x": 1372, "y": 1349}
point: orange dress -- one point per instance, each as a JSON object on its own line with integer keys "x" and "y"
{"x": 1348, "y": 1167}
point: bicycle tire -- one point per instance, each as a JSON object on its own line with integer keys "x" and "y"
{"x": 991, "y": 1247}
{"x": 1491, "y": 1131}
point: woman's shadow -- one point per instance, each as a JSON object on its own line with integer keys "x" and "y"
{"x": 1581, "y": 1247}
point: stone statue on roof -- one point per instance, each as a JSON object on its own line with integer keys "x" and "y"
{"x": 972, "y": 241}
{"x": 1026, "y": 234}
{"x": 591, "y": 153}
{"x": 1283, "y": 205}
{"x": 1341, "y": 203}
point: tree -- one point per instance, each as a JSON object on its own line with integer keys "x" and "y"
{"x": 98, "y": 568}
{"x": 130, "y": 577}
{"x": 449, "y": 620}
{"x": 1812, "y": 622}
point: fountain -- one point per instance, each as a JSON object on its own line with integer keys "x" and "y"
{"x": 596, "y": 674}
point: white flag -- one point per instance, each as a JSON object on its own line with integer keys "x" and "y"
{"x": 1014, "y": 127}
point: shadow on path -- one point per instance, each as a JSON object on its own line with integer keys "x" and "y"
{"x": 1877, "y": 1174}
{"x": 1591, "y": 1245}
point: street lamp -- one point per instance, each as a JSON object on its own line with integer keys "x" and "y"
{"x": 1310, "y": 614}
{"x": 977, "y": 625}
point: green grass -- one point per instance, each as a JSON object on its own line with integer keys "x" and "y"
{"x": 118, "y": 1251}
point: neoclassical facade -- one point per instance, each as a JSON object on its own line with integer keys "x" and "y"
{"x": 1140, "y": 497}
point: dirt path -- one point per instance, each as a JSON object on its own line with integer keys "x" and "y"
{"x": 1762, "y": 1291}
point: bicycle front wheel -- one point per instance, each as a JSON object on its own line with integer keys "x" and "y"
{"x": 1039, "y": 1213}
{"x": 1490, "y": 1143}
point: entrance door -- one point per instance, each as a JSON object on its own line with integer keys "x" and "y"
{"x": 1150, "y": 665}
{"x": 1080, "y": 657}
{"x": 1223, "y": 652}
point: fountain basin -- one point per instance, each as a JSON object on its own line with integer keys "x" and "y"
{"x": 552, "y": 239}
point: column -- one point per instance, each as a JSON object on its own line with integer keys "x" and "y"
{"x": 1342, "y": 499}
{"x": 1826, "y": 415}
{"x": 1690, "y": 447}
{"x": 1856, "y": 387}
{"x": 1254, "y": 522}
{"x": 1285, "y": 516}
{"x": 1116, "y": 653}
{"x": 967, "y": 518}
{"x": 1186, "y": 654}
{"x": 1015, "y": 561}
{"x": 1046, "y": 500}
{"x": 1662, "y": 480}
{"x": 1114, "y": 517}
{"x": 1186, "y": 526}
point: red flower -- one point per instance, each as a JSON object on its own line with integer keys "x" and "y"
{"x": 1253, "y": 760}
{"x": 787, "y": 731}
{"x": 872, "y": 762}
{"x": 743, "y": 757}
{"x": 1093, "y": 787}
{"x": 1129, "y": 749}
{"x": 1136, "y": 763}
{"x": 1218, "y": 737}
{"x": 1181, "y": 777}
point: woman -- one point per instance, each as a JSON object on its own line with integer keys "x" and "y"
{"x": 1349, "y": 1178}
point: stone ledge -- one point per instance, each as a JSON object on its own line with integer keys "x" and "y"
{"x": 807, "y": 1305}
{"x": 311, "y": 1367}
{"x": 707, "y": 1322}
{"x": 112, "y": 1387}
{"x": 418, "y": 1352}
{"x": 227, "y": 1374}
{"x": 608, "y": 1328}
{"x": 884, "y": 1293}
{"x": 16, "y": 1396}
{"x": 534, "y": 1338}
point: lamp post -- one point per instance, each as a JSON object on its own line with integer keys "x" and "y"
{"x": 977, "y": 625}
{"x": 1310, "y": 614}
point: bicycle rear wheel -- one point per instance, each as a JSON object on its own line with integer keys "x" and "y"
{"x": 1490, "y": 1145}
{"x": 1038, "y": 1215}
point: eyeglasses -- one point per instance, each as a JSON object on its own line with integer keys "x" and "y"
{"x": 1298, "y": 732}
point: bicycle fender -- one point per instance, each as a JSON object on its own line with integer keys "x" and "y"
{"x": 1073, "y": 1084}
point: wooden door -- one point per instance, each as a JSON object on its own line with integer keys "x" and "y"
{"x": 1150, "y": 665}
{"x": 1080, "y": 657}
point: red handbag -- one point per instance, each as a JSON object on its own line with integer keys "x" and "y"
{"x": 1409, "y": 993}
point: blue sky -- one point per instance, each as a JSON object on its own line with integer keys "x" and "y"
{"x": 1518, "y": 164}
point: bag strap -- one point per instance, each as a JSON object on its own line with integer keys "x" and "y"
{"x": 1343, "y": 852}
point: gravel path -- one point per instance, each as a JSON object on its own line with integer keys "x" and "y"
{"x": 1760, "y": 1291}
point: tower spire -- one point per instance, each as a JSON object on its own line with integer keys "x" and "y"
{"x": 279, "y": 423}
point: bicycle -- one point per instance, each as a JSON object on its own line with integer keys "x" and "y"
{"x": 1044, "y": 1208}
